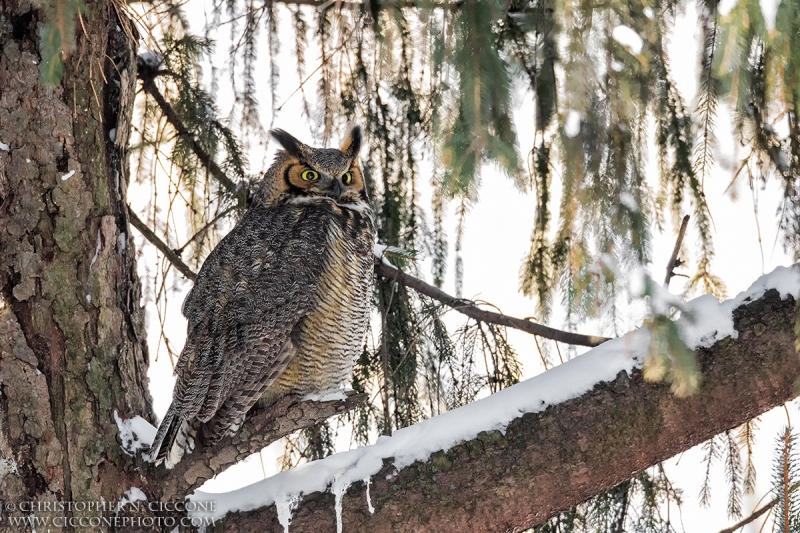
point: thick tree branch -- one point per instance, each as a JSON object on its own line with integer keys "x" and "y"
{"x": 549, "y": 461}
{"x": 261, "y": 428}
{"x": 147, "y": 75}
{"x": 471, "y": 310}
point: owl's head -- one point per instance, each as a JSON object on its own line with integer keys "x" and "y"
{"x": 302, "y": 170}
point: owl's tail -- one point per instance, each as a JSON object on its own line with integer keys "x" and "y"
{"x": 174, "y": 438}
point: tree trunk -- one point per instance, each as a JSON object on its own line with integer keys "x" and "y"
{"x": 547, "y": 462}
{"x": 72, "y": 343}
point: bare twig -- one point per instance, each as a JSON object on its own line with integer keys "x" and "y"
{"x": 168, "y": 252}
{"x": 471, "y": 310}
{"x": 751, "y": 518}
{"x": 756, "y": 514}
{"x": 203, "y": 230}
{"x": 674, "y": 262}
{"x": 760, "y": 512}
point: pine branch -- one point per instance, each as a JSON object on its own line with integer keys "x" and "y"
{"x": 707, "y": 101}
{"x": 764, "y": 140}
{"x": 147, "y": 75}
{"x": 471, "y": 310}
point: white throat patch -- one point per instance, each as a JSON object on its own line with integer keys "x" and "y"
{"x": 359, "y": 206}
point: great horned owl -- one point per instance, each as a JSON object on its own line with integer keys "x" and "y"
{"x": 281, "y": 305}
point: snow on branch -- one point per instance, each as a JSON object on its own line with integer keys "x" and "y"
{"x": 135, "y": 434}
{"x": 523, "y": 454}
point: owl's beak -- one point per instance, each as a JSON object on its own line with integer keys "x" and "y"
{"x": 337, "y": 188}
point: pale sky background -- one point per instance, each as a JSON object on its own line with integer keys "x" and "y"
{"x": 497, "y": 238}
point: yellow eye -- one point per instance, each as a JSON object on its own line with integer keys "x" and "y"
{"x": 347, "y": 179}
{"x": 309, "y": 175}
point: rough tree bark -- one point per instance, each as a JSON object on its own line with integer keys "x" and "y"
{"x": 547, "y": 462}
{"x": 72, "y": 343}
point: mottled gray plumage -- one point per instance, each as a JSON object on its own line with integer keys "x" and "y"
{"x": 281, "y": 305}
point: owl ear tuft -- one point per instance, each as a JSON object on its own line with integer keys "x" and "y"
{"x": 290, "y": 144}
{"x": 351, "y": 144}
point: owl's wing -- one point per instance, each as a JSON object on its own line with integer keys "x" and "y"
{"x": 251, "y": 293}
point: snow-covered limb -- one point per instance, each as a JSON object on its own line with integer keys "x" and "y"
{"x": 133, "y": 494}
{"x": 521, "y": 455}
{"x": 260, "y": 429}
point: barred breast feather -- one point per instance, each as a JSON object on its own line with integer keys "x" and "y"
{"x": 333, "y": 332}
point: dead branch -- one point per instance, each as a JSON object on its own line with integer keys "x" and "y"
{"x": 468, "y": 308}
{"x": 168, "y": 252}
{"x": 674, "y": 262}
{"x": 463, "y": 306}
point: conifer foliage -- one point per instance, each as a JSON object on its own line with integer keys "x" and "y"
{"x": 435, "y": 84}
